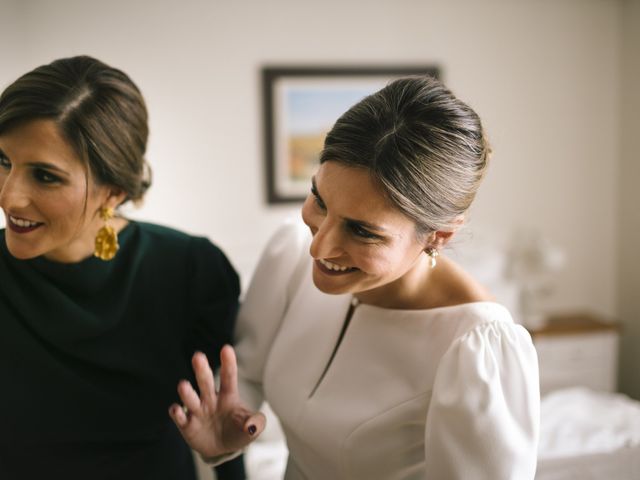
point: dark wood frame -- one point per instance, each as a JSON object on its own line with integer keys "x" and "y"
{"x": 271, "y": 74}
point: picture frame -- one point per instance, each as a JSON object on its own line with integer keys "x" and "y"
{"x": 300, "y": 104}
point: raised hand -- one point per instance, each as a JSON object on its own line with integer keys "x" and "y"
{"x": 215, "y": 424}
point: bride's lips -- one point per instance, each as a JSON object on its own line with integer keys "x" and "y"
{"x": 21, "y": 225}
{"x": 323, "y": 266}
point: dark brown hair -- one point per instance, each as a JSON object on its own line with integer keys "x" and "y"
{"x": 97, "y": 109}
{"x": 426, "y": 148}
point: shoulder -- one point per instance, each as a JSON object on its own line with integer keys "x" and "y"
{"x": 197, "y": 253}
{"x": 486, "y": 331}
{"x": 485, "y": 312}
{"x": 286, "y": 250}
{"x": 163, "y": 237}
{"x": 160, "y": 232}
{"x": 283, "y": 262}
{"x": 291, "y": 238}
{"x": 483, "y": 316}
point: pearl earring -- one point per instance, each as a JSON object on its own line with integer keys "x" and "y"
{"x": 433, "y": 254}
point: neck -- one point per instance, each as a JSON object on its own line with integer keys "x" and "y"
{"x": 407, "y": 292}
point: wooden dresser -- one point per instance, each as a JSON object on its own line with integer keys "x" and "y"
{"x": 578, "y": 349}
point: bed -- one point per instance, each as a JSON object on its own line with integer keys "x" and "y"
{"x": 589, "y": 435}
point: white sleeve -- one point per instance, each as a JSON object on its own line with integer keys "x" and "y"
{"x": 278, "y": 273}
{"x": 483, "y": 419}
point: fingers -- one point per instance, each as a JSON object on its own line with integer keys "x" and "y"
{"x": 177, "y": 414}
{"x": 228, "y": 371}
{"x": 189, "y": 397}
{"x": 204, "y": 377}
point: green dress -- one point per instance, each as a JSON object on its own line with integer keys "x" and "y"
{"x": 91, "y": 354}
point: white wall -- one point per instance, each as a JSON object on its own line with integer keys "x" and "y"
{"x": 544, "y": 75}
{"x": 629, "y": 258}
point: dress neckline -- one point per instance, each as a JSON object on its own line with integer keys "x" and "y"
{"x": 123, "y": 236}
{"x": 88, "y": 276}
{"x": 434, "y": 310}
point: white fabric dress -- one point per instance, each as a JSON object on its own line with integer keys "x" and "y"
{"x": 445, "y": 393}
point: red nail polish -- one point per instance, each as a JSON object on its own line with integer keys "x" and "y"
{"x": 252, "y": 429}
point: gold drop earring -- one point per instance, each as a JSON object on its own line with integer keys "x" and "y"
{"x": 107, "y": 239}
{"x": 433, "y": 254}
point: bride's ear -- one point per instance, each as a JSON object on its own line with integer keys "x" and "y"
{"x": 438, "y": 239}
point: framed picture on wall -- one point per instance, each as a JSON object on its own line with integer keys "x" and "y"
{"x": 300, "y": 104}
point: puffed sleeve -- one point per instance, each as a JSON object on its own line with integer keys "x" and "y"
{"x": 483, "y": 420}
{"x": 276, "y": 276}
{"x": 213, "y": 299}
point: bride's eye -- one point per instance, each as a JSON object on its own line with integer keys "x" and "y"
{"x": 361, "y": 231}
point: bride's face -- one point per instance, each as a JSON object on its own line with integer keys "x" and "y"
{"x": 361, "y": 243}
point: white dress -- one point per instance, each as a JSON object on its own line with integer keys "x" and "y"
{"x": 444, "y": 393}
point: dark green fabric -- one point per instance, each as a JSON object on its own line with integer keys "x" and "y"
{"x": 91, "y": 353}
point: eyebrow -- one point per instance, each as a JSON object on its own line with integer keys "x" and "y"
{"x": 363, "y": 223}
{"x": 44, "y": 165}
{"x": 48, "y": 166}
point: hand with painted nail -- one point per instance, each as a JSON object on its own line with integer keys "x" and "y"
{"x": 215, "y": 423}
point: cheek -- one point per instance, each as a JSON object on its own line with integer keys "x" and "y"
{"x": 309, "y": 216}
{"x": 64, "y": 206}
{"x": 385, "y": 260}
{"x": 372, "y": 260}
{"x": 3, "y": 178}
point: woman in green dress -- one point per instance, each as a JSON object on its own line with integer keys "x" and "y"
{"x": 100, "y": 315}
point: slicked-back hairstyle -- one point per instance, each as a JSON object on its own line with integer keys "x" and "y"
{"x": 97, "y": 109}
{"x": 424, "y": 147}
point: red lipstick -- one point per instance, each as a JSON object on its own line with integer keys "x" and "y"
{"x": 18, "y": 229}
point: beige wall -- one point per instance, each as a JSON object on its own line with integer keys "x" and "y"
{"x": 544, "y": 75}
{"x": 629, "y": 195}
{"x": 11, "y": 39}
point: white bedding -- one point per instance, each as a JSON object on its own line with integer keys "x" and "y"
{"x": 587, "y": 435}
{"x": 578, "y": 421}
{"x": 621, "y": 464}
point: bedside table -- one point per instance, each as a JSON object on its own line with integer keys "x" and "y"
{"x": 577, "y": 350}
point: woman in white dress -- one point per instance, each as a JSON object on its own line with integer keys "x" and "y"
{"x": 381, "y": 358}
